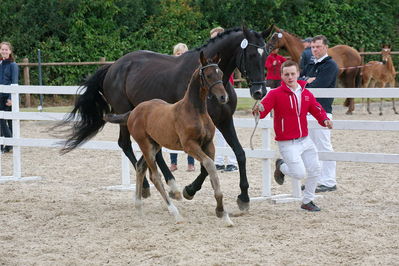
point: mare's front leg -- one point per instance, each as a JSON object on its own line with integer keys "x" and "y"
{"x": 126, "y": 145}
{"x": 229, "y": 133}
{"x": 174, "y": 192}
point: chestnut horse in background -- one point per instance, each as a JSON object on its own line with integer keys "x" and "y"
{"x": 347, "y": 58}
{"x": 382, "y": 72}
{"x": 185, "y": 125}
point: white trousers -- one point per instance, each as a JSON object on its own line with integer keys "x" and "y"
{"x": 321, "y": 137}
{"x": 301, "y": 161}
{"x": 221, "y": 143}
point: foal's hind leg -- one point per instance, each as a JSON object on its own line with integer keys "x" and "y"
{"x": 126, "y": 145}
{"x": 141, "y": 168}
{"x": 149, "y": 150}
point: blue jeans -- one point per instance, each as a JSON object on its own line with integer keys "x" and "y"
{"x": 173, "y": 159}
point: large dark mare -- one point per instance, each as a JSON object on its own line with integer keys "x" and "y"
{"x": 184, "y": 125}
{"x": 144, "y": 75}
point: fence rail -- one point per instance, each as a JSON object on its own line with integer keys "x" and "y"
{"x": 263, "y": 152}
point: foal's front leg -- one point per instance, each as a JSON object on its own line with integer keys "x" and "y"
{"x": 206, "y": 162}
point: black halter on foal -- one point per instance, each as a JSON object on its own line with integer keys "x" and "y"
{"x": 204, "y": 80}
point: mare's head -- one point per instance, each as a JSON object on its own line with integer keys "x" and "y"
{"x": 211, "y": 77}
{"x": 386, "y": 53}
{"x": 251, "y": 63}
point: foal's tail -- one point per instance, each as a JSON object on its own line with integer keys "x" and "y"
{"x": 117, "y": 118}
{"x": 91, "y": 107}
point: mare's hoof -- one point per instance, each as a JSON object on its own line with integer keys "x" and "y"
{"x": 146, "y": 193}
{"x": 348, "y": 113}
{"x": 243, "y": 206}
{"x": 186, "y": 195}
{"x": 380, "y": 113}
{"x": 175, "y": 195}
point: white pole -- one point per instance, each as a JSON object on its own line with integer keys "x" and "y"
{"x": 125, "y": 170}
{"x": 266, "y": 164}
{"x": 16, "y": 134}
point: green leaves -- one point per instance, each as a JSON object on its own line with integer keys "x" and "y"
{"x": 84, "y": 30}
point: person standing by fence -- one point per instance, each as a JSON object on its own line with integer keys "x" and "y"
{"x": 178, "y": 50}
{"x": 8, "y": 76}
{"x": 322, "y": 73}
{"x": 273, "y": 66}
{"x": 306, "y": 56}
{"x": 291, "y": 103}
{"x": 232, "y": 165}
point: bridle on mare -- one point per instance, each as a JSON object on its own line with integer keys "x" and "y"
{"x": 242, "y": 64}
{"x": 204, "y": 81}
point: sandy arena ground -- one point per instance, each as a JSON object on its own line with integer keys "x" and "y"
{"x": 68, "y": 218}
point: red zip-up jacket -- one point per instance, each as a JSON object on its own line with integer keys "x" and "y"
{"x": 273, "y": 71}
{"x": 289, "y": 122}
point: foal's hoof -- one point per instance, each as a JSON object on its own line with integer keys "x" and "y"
{"x": 349, "y": 113}
{"x": 186, "y": 195}
{"x": 219, "y": 214}
{"x": 243, "y": 206}
{"x": 176, "y": 195}
{"x": 146, "y": 193}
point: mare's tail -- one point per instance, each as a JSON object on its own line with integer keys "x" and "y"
{"x": 117, "y": 118}
{"x": 91, "y": 107}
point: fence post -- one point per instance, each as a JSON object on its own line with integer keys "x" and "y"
{"x": 362, "y": 55}
{"x": 102, "y": 60}
{"x": 26, "y": 82}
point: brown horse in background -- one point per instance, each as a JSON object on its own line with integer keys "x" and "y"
{"x": 185, "y": 125}
{"x": 382, "y": 72}
{"x": 346, "y": 57}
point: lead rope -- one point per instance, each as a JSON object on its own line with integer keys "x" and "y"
{"x": 256, "y": 116}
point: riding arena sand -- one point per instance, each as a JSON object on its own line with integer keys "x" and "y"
{"x": 70, "y": 218}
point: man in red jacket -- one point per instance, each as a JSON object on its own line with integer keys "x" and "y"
{"x": 291, "y": 103}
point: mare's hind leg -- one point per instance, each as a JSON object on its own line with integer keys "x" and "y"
{"x": 126, "y": 145}
{"x": 149, "y": 149}
{"x": 174, "y": 191}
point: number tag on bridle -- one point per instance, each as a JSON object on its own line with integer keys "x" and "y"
{"x": 244, "y": 44}
{"x": 280, "y": 35}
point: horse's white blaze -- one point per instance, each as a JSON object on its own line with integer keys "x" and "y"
{"x": 217, "y": 70}
{"x": 260, "y": 51}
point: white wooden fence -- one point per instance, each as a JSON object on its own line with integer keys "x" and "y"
{"x": 263, "y": 152}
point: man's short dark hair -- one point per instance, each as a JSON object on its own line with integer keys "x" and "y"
{"x": 289, "y": 63}
{"x": 320, "y": 37}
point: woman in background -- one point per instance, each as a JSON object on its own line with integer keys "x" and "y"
{"x": 8, "y": 76}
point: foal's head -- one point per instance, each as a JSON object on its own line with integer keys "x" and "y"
{"x": 386, "y": 53}
{"x": 211, "y": 78}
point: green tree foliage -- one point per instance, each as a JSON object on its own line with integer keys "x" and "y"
{"x": 84, "y": 30}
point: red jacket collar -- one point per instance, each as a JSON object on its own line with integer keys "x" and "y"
{"x": 301, "y": 83}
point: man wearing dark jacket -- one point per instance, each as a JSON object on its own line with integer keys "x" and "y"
{"x": 306, "y": 56}
{"x": 322, "y": 73}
